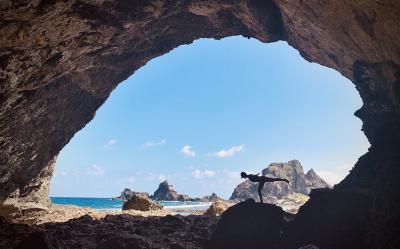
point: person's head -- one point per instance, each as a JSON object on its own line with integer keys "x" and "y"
{"x": 243, "y": 175}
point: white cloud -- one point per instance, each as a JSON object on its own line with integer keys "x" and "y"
{"x": 330, "y": 177}
{"x": 95, "y": 170}
{"x": 63, "y": 173}
{"x": 228, "y": 153}
{"x": 110, "y": 143}
{"x": 188, "y": 151}
{"x": 200, "y": 174}
{"x": 150, "y": 144}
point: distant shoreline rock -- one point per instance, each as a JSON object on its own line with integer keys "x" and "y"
{"x": 166, "y": 192}
{"x": 212, "y": 198}
{"x": 142, "y": 203}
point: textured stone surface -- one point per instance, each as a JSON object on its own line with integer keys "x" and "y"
{"x": 249, "y": 225}
{"x": 141, "y": 202}
{"x": 217, "y": 208}
{"x": 59, "y": 61}
{"x": 123, "y": 231}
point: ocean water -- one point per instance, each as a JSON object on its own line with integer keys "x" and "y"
{"x": 109, "y": 204}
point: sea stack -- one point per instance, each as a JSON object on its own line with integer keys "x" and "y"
{"x": 166, "y": 192}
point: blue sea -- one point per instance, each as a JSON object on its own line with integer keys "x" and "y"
{"x": 109, "y": 204}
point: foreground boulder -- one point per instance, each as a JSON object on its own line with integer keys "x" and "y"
{"x": 142, "y": 203}
{"x": 249, "y": 225}
{"x": 217, "y": 208}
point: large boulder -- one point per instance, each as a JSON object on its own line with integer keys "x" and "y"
{"x": 292, "y": 170}
{"x": 249, "y": 225}
{"x": 166, "y": 192}
{"x": 142, "y": 203}
{"x": 217, "y": 208}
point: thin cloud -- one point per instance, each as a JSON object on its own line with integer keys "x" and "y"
{"x": 110, "y": 143}
{"x": 63, "y": 173}
{"x": 188, "y": 151}
{"x": 229, "y": 152}
{"x": 200, "y": 174}
{"x": 150, "y": 144}
{"x": 95, "y": 170}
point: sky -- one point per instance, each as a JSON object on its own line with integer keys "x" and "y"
{"x": 204, "y": 112}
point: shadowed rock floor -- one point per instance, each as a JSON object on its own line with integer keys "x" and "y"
{"x": 112, "y": 231}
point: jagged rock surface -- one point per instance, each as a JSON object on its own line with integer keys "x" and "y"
{"x": 166, "y": 192}
{"x": 292, "y": 170}
{"x": 59, "y": 61}
{"x": 112, "y": 231}
{"x": 141, "y": 202}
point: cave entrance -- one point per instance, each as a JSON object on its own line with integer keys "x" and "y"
{"x": 202, "y": 113}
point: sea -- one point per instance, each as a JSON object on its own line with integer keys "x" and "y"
{"x": 104, "y": 204}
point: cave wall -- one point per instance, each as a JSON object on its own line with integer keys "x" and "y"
{"x": 60, "y": 60}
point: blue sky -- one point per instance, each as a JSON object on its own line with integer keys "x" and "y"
{"x": 202, "y": 113}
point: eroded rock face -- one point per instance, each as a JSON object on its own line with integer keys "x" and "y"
{"x": 59, "y": 61}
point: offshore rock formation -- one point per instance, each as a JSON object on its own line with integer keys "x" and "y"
{"x": 292, "y": 170}
{"x": 211, "y": 198}
{"x": 141, "y": 202}
{"x": 166, "y": 192}
{"x": 60, "y": 60}
{"x": 127, "y": 193}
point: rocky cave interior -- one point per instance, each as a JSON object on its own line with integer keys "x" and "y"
{"x": 59, "y": 61}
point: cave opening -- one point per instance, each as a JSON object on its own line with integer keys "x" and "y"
{"x": 60, "y": 60}
{"x": 202, "y": 113}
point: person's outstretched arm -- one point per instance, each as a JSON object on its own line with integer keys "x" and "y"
{"x": 269, "y": 179}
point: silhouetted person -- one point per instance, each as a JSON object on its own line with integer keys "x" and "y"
{"x": 261, "y": 181}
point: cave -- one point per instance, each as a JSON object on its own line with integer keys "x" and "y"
{"x": 59, "y": 61}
